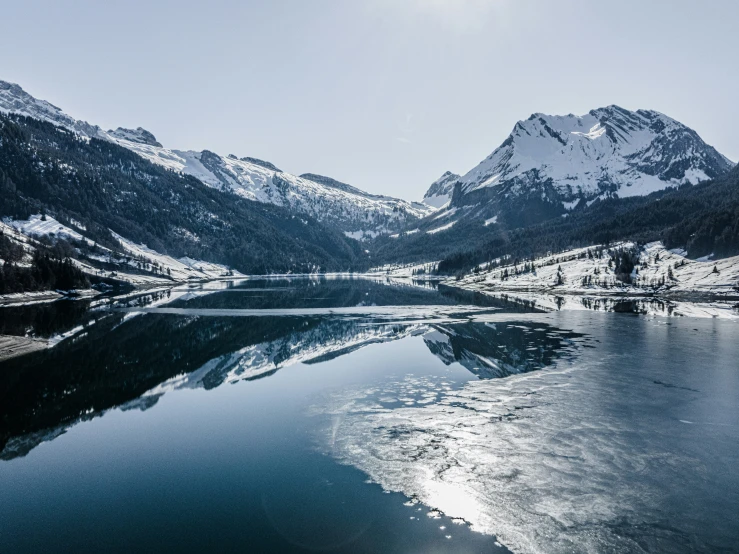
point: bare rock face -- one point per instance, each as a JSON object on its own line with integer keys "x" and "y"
{"x": 139, "y": 135}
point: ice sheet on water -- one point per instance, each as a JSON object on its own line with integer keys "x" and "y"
{"x": 545, "y": 461}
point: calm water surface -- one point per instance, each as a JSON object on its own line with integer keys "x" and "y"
{"x": 359, "y": 415}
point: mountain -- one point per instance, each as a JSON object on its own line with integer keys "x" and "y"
{"x": 139, "y": 135}
{"x": 557, "y": 180}
{"x": 109, "y": 193}
{"x": 349, "y": 210}
{"x": 367, "y": 214}
{"x": 551, "y": 165}
{"x": 346, "y": 208}
{"x": 440, "y": 191}
{"x": 700, "y": 220}
{"x": 13, "y": 99}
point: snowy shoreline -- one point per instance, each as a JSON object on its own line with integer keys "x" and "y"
{"x": 662, "y": 282}
{"x": 654, "y": 272}
{"x": 595, "y": 292}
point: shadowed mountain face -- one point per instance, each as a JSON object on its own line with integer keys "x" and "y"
{"x": 339, "y": 206}
{"x": 121, "y": 355}
{"x": 106, "y": 187}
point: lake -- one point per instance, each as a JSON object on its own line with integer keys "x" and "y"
{"x": 364, "y": 415}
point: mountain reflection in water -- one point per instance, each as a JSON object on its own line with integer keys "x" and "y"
{"x": 129, "y": 359}
{"x": 367, "y": 416}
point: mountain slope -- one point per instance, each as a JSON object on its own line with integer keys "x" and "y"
{"x": 104, "y": 187}
{"x": 346, "y": 209}
{"x": 553, "y": 168}
{"x": 703, "y": 220}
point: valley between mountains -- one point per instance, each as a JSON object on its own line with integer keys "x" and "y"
{"x": 612, "y": 202}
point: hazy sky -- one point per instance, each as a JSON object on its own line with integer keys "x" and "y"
{"x": 383, "y": 94}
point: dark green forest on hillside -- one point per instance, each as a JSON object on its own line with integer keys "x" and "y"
{"x": 47, "y": 169}
{"x": 50, "y": 268}
{"x": 703, "y": 219}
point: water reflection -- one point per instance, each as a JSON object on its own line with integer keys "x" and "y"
{"x": 492, "y": 350}
{"x": 656, "y": 306}
{"x": 118, "y": 354}
{"x": 628, "y": 449}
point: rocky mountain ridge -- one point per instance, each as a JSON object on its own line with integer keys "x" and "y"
{"x": 346, "y": 208}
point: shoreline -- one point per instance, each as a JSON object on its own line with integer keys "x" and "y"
{"x": 700, "y": 305}
{"x": 39, "y": 297}
{"x": 468, "y": 285}
{"x": 605, "y": 293}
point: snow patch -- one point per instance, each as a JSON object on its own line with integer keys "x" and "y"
{"x": 442, "y": 228}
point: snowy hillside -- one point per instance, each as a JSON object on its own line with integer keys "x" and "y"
{"x": 553, "y": 164}
{"x": 609, "y": 150}
{"x": 351, "y": 211}
{"x": 132, "y": 263}
{"x": 591, "y": 271}
{"x": 348, "y": 209}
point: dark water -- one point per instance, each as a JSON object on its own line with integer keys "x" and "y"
{"x": 361, "y": 416}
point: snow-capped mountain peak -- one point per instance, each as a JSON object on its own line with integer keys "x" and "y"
{"x": 440, "y": 191}
{"x": 609, "y": 150}
{"x": 13, "y": 99}
{"x": 257, "y": 161}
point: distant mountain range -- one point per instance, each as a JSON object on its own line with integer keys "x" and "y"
{"x": 248, "y": 214}
{"x": 117, "y": 202}
{"x": 343, "y": 207}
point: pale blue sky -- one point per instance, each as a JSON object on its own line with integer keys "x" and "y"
{"x": 383, "y": 94}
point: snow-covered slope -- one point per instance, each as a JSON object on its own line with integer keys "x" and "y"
{"x": 348, "y": 209}
{"x": 551, "y": 164}
{"x": 440, "y": 191}
{"x": 132, "y": 263}
{"x": 591, "y": 271}
{"x": 13, "y": 99}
